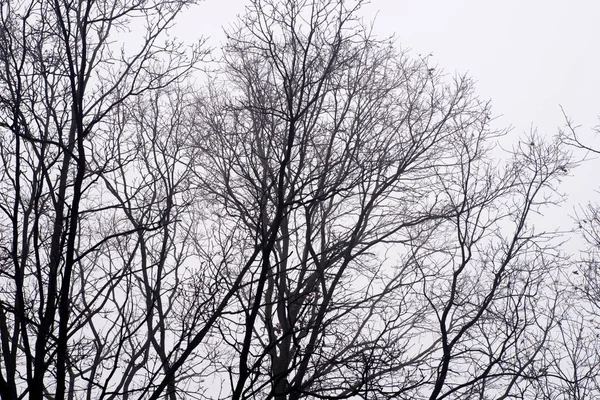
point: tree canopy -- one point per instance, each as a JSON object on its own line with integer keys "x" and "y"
{"x": 321, "y": 216}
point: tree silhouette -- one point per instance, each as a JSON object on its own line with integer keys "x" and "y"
{"x": 323, "y": 217}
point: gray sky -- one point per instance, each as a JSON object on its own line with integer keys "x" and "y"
{"x": 527, "y": 56}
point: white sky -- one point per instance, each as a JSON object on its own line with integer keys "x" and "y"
{"x": 527, "y": 56}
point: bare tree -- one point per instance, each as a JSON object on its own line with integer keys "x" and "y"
{"x": 379, "y": 249}
{"x": 575, "y": 368}
{"x": 63, "y": 82}
{"x": 326, "y": 218}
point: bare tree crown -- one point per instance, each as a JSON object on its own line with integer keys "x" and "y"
{"x": 326, "y": 217}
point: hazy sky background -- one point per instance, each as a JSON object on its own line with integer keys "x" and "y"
{"x": 528, "y": 56}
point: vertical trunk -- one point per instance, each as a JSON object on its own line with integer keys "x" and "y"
{"x": 36, "y": 386}
{"x": 77, "y": 68}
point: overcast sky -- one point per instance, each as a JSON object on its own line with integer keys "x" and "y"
{"x": 528, "y": 56}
